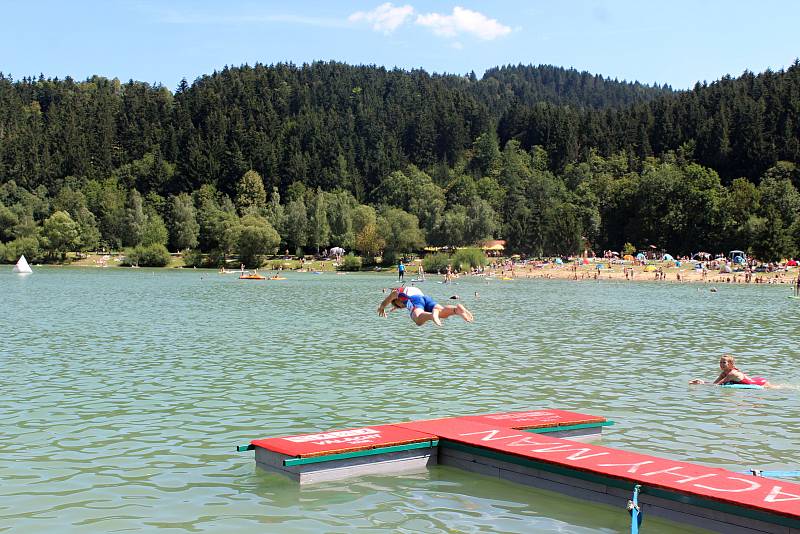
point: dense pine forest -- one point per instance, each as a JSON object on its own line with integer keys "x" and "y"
{"x": 252, "y": 160}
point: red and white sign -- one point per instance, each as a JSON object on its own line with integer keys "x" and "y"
{"x": 340, "y": 441}
{"x": 775, "y": 496}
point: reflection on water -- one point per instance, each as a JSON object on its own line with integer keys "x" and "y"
{"x": 124, "y": 393}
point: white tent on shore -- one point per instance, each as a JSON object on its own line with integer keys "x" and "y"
{"x": 22, "y": 266}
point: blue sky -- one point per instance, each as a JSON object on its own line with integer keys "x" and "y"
{"x": 676, "y": 42}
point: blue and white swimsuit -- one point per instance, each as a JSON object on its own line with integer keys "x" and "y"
{"x": 413, "y": 298}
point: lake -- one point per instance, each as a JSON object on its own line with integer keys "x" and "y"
{"x": 124, "y": 393}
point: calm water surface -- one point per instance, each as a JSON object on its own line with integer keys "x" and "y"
{"x": 124, "y": 392}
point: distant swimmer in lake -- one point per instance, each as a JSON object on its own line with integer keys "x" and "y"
{"x": 730, "y": 375}
{"x": 422, "y": 307}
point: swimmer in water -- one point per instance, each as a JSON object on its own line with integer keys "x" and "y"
{"x": 422, "y": 307}
{"x": 729, "y": 375}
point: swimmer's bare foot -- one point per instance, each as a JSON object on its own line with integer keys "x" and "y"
{"x": 436, "y": 320}
{"x": 464, "y": 313}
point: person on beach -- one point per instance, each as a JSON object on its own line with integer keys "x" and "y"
{"x": 729, "y": 374}
{"x": 422, "y": 307}
{"x": 401, "y": 271}
{"x": 797, "y": 285}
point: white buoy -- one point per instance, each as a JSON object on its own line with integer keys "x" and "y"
{"x": 22, "y": 266}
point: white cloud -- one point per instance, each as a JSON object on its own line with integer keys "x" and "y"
{"x": 385, "y": 18}
{"x": 461, "y": 21}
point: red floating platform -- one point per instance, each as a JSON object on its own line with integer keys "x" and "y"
{"x": 343, "y": 441}
{"x": 692, "y": 480}
{"x": 522, "y": 447}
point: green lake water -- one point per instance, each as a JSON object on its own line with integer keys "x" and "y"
{"x": 123, "y": 393}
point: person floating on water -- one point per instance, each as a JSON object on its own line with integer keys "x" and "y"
{"x": 731, "y": 375}
{"x": 401, "y": 271}
{"x": 797, "y": 285}
{"x": 422, "y": 307}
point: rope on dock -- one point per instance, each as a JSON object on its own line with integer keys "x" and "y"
{"x": 635, "y": 511}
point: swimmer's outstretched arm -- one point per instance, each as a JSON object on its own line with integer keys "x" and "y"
{"x": 389, "y": 298}
{"x": 721, "y": 379}
{"x": 733, "y": 376}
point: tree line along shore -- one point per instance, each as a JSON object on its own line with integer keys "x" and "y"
{"x": 254, "y": 161}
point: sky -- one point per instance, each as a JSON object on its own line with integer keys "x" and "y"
{"x": 675, "y": 42}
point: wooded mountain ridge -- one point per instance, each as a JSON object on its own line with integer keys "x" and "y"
{"x": 330, "y": 127}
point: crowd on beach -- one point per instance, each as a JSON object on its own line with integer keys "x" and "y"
{"x": 713, "y": 272}
{"x": 679, "y": 271}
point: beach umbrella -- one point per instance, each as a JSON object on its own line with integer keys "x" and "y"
{"x": 640, "y": 256}
{"x": 668, "y": 257}
{"x": 559, "y": 261}
{"x": 337, "y": 251}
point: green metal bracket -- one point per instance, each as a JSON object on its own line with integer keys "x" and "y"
{"x": 545, "y": 430}
{"x": 355, "y": 454}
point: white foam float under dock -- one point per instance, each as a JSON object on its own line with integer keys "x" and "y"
{"x": 528, "y": 448}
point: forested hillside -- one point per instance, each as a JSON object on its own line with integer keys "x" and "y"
{"x": 304, "y": 157}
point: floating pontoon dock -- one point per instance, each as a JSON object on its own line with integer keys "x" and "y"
{"x": 527, "y": 448}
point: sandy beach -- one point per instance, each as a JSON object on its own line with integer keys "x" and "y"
{"x": 654, "y": 272}
{"x": 658, "y": 272}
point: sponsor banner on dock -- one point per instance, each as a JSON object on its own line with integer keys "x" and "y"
{"x": 340, "y": 441}
{"x": 775, "y": 496}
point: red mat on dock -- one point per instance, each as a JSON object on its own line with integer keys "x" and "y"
{"x": 535, "y": 419}
{"x": 341, "y": 441}
{"x": 776, "y": 496}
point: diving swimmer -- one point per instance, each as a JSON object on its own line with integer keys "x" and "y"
{"x": 422, "y": 307}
